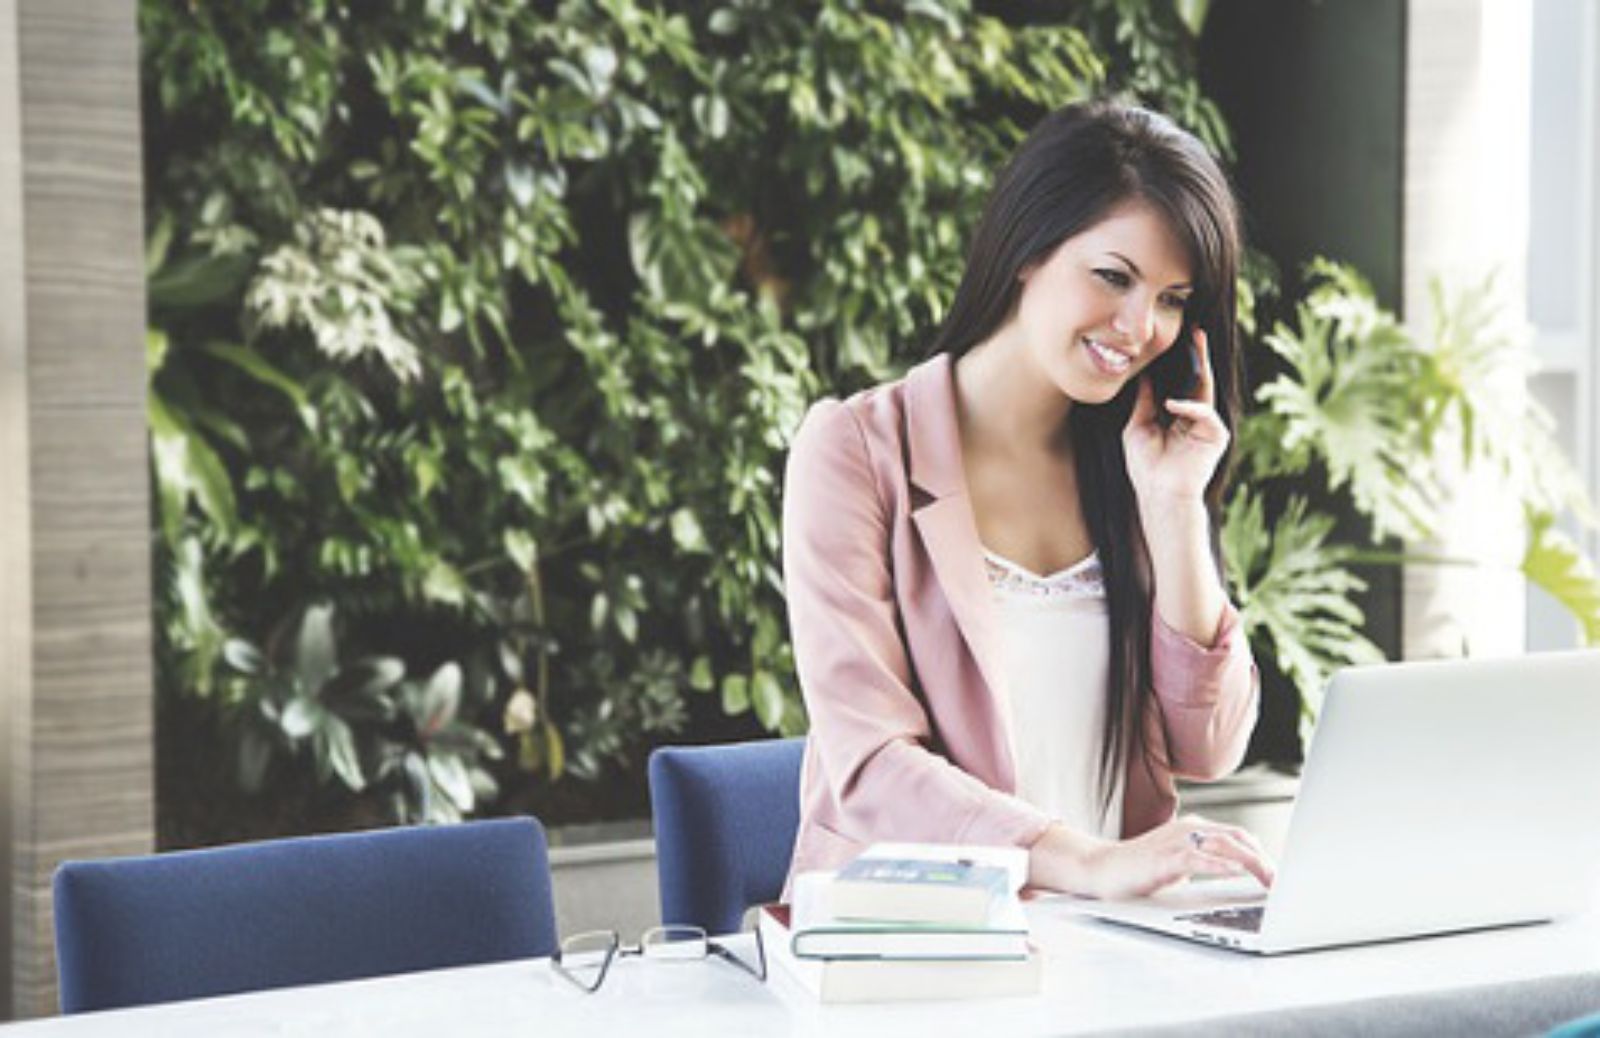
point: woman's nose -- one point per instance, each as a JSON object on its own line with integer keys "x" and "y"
{"x": 1136, "y": 318}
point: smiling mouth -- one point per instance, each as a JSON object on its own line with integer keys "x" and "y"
{"x": 1108, "y": 359}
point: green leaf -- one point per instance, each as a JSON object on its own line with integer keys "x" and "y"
{"x": 1295, "y": 593}
{"x": 160, "y": 240}
{"x": 530, "y": 750}
{"x": 301, "y": 717}
{"x": 440, "y": 699}
{"x": 198, "y": 280}
{"x": 522, "y": 549}
{"x": 156, "y": 348}
{"x": 192, "y": 624}
{"x": 700, "y": 676}
{"x": 242, "y": 656}
{"x": 711, "y": 113}
{"x": 484, "y": 787}
{"x": 520, "y": 183}
{"x": 256, "y": 366}
{"x": 1193, "y": 14}
{"x": 735, "y": 694}
{"x": 510, "y": 660}
{"x": 255, "y": 754}
{"x": 1482, "y": 411}
{"x": 686, "y": 532}
{"x": 555, "y": 751}
{"x": 444, "y": 583}
{"x": 1554, "y": 564}
{"x": 187, "y": 469}
{"x": 367, "y": 678}
{"x": 627, "y": 624}
{"x": 794, "y": 722}
{"x": 1353, "y": 394}
{"x": 767, "y": 695}
{"x": 315, "y": 656}
{"x": 452, "y": 779}
{"x": 600, "y": 62}
{"x": 337, "y": 742}
{"x": 419, "y": 784}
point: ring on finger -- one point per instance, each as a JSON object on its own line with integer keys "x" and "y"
{"x": 1198, "y": 839}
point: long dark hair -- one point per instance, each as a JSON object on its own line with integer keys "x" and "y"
{"x": 1078, "y": 164}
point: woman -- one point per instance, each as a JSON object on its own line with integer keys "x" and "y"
{"x": 1003, "y": 585}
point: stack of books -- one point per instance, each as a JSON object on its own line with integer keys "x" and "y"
{"x": 907, "y": 922}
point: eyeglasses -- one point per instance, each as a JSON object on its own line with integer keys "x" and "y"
{"x": 586, "y": 958}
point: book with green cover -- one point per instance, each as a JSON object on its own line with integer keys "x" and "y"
{"x": 928, "y": 883}
{"x": 819, "y": 934}
{"x": 831, "y": 980}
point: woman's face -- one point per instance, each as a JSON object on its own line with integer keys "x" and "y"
{"x": 1106, "y": 303}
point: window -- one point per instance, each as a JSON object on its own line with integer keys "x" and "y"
{"x": 1563, "y": 276}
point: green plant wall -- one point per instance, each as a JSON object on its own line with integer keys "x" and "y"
{"x": 478, "y": 332}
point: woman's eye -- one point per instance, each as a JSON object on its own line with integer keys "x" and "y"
{"x": 1115, "y": 278}
{"x": 1172, "y": 302}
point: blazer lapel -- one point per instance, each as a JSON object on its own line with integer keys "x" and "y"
{"x": 950, "y": 534}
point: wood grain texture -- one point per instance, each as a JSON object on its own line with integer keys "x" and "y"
{"x": 16, "y": 530}
{"x": 81, "y": 745}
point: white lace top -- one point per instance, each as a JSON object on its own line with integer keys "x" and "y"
{"x": 1056, "y": 646}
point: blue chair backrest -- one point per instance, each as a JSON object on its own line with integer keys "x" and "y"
{"x": 190, "y": 924}
{"x": 725, "y": 823}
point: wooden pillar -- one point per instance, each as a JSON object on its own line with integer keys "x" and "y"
{"x": 76, "y": 719}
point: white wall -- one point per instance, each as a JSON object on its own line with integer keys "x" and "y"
{"x": 1466, "y": 213}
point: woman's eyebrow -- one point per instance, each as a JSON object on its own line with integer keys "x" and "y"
{"x": 1139, "y": 273}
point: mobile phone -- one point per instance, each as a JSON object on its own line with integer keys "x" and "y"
{"x": 1176, "y": 375}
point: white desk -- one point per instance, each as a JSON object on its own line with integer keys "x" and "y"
{"x": 1097, "y": 978}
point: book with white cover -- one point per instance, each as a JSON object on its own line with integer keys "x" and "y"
{"x": 818, "y": 934}
{"x": 893, "y": 980}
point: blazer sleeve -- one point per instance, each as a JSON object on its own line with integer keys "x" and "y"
{"x": 1209, "y": 696}
{"x": 870, "y": 730}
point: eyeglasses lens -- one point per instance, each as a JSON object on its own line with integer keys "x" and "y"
{"x": 674, "y": 943}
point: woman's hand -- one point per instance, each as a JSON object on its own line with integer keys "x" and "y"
{"x": 1184, "y": 847}
{"x": 1174, "y": 464}
{"x": 1171, "y": 853}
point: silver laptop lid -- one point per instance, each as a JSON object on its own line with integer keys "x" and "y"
{"x": 1444, "y": 795}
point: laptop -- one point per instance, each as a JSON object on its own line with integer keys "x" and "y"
{"x": 1436, "y": 797}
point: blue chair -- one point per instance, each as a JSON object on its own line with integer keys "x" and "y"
{"x": 725, "y": 822}
{"x": 190, "y": 924}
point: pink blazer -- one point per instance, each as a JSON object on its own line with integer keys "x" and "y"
{"x": 894, "y": 639}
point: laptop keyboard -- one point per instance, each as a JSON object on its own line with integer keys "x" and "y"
{"x": 1247, "y": 919}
